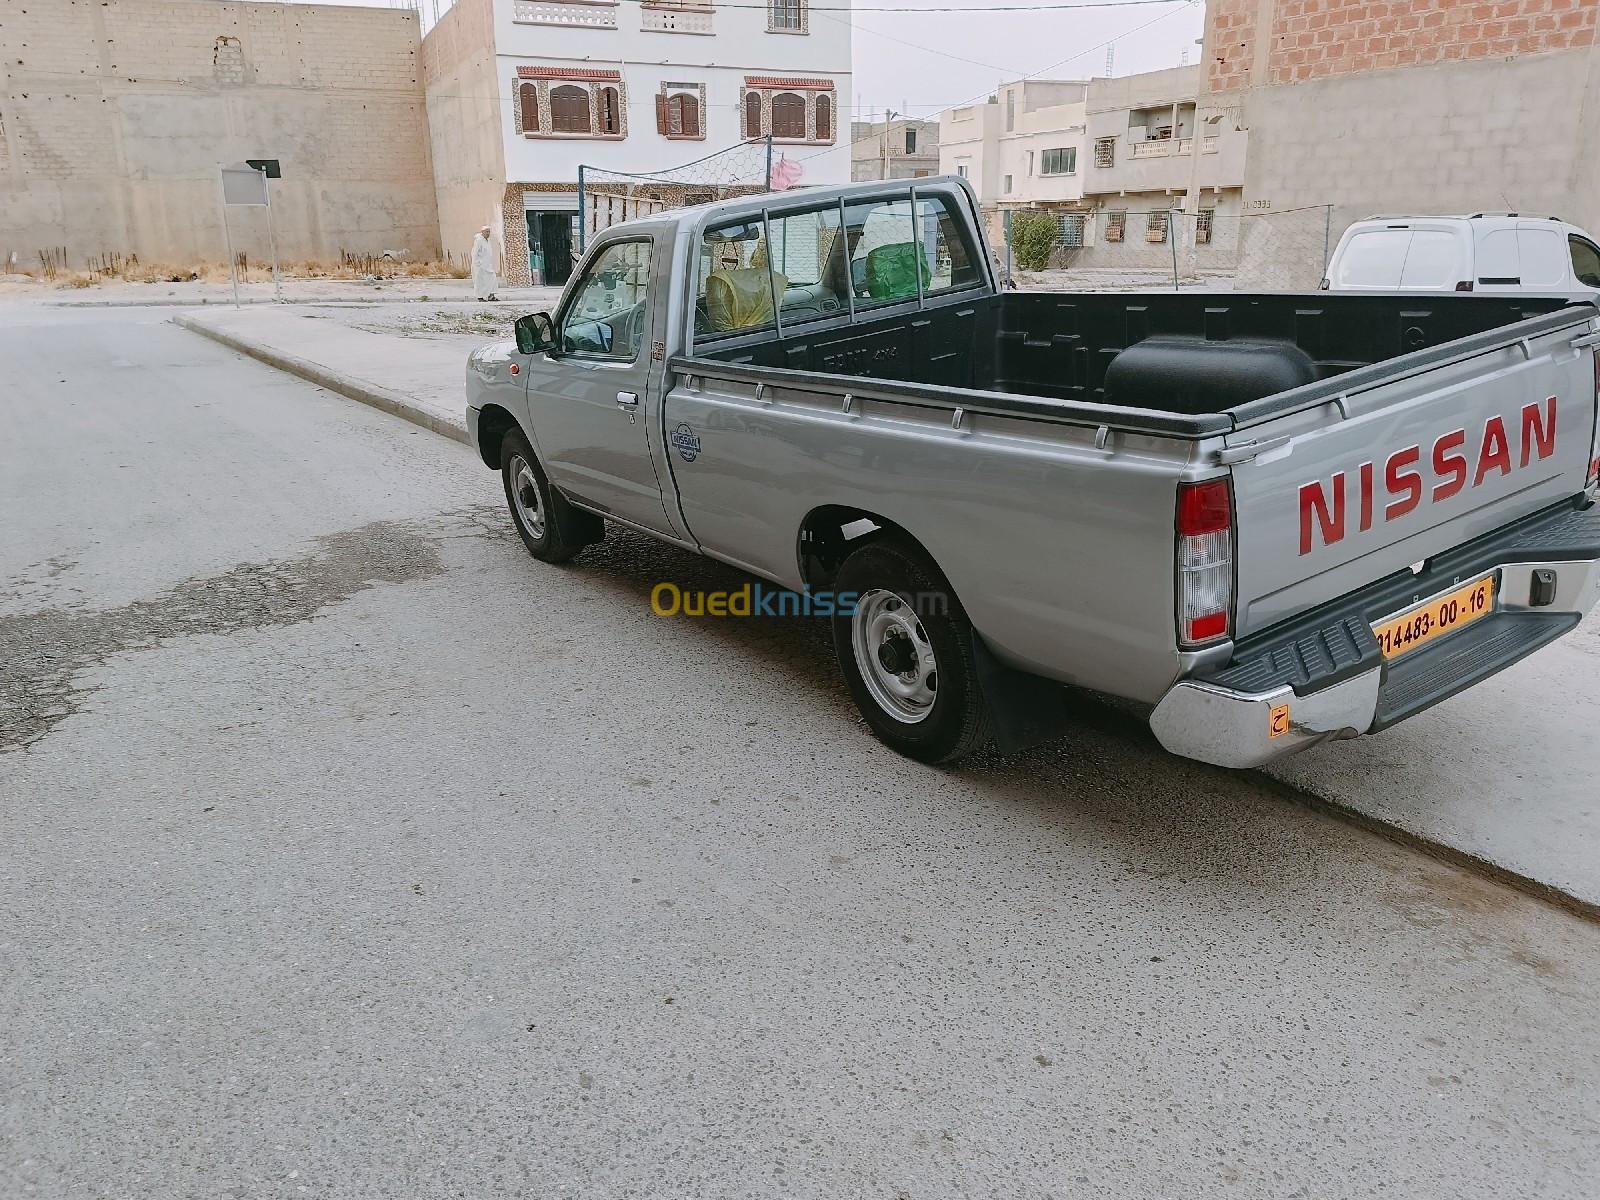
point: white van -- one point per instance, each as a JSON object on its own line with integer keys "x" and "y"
{"x": 1484, "y": 252}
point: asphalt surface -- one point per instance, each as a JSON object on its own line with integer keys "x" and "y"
{"x": 346, "y": 851}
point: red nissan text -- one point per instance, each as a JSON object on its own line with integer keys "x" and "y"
{"x": 1452, "y": 464}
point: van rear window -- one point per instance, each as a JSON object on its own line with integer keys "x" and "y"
{"x": 1433, "y": 261}
{"x": 1401, "y": 258}
{"x": 1373, "y": 259}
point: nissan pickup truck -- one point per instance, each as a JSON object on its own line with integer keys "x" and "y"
{"x": 1262, "y": 520}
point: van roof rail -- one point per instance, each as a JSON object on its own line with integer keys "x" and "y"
{"x": 1525, "y": 216}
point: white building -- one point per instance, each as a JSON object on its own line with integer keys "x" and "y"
{"x": 894, "y": 148}
{"x": 1112, "y": 157}
{"x": 520, "y": 92}
{"x": 1148, "y": 157}
{"x": 1022, "y": 149}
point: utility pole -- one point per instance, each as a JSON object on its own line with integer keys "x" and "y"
{"x": 1191, "y": 198}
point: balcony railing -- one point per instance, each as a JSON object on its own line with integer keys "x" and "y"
{"x": 1152, "y": 149}
{"x": 1208, "y": 144}
{"x": 590, "y": 14}
{"x": 675, "y": 18}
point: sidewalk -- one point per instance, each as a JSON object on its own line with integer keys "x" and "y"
{"x": 407, "y": 359}
{"x": 1502, "y": 776}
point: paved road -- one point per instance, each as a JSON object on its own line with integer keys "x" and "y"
{"x": 345, "y": 851}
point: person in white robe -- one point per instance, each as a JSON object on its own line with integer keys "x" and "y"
{"x": 484, "y": 278}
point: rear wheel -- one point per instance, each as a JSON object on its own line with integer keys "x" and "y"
{"x": 906, "y": 652}
{"x": 532, "y": 501}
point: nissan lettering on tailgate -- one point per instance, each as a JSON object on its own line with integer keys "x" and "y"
{"x": 1452, "y": 464}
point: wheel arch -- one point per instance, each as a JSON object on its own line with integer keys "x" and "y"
{"x": 829, "y": 532}
{"x": 494, "y": 422}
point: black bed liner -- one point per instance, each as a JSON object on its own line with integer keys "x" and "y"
{"x": 1045, "y": 354}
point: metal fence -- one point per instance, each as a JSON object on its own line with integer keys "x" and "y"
{"x": 1264, "y": 251}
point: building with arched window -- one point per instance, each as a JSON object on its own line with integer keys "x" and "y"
{"x": 521, "y": 92}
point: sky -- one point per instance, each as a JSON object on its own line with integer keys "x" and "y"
{"x": 919, "y": 62}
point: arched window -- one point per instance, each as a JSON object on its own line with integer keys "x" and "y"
{"x": 752, "y": 114}
{"x": 788, "y": 116}
{"x": 569, "y": 109}
{"x": 683, "y": 115}
{"x": 528, "y": 96}
{"x": 824, "y": 119}
{"x": 610, "y": 111}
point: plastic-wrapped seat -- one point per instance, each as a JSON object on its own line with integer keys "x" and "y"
{"x": 740, "y": 298}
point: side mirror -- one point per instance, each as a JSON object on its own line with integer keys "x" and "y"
{"x": 536, "y": 333}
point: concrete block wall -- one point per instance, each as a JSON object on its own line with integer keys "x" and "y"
{"x": 117, "y": 113}
{"x": 1485, "y": 135}
{"x": 1425, "y": 106}
{"x": 460, "y": 81}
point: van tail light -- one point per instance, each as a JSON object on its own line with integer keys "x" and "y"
{"x": 1205, "y": 562}
{"x": 1324, "y": 285}
{"x": 1464, "y": 286}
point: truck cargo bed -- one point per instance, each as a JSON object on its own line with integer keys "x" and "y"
{"x": 1218, "y": 351}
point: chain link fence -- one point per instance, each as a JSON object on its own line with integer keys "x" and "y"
{"x": 1264, "y": 251}
{"x": 607, "y": 198}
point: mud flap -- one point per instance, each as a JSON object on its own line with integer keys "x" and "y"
{"x": 578, "y": 526}
{"x": 1024, "y": 710}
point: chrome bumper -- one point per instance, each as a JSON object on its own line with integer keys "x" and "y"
{"x": 1229, "y": 728}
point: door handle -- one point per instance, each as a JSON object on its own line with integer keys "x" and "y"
{"x": 627, "y": 399}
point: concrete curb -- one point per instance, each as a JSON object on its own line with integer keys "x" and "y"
{"x": 1114, "y": 718}
{"x": 345, "y": 385}
{"x": 327, "y": 301}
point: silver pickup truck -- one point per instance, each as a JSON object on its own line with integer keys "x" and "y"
{"x": 1266, "y": 520}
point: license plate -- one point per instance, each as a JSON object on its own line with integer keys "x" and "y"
{"x": 1421, "y": 623}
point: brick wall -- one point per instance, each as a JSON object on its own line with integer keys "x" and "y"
{"x": 1315, "y": 39}
{"x": 1231, "y": 34}
{"x": 116, "y": 114}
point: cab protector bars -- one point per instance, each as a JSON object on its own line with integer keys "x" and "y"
{"x": 1066, "y": 412}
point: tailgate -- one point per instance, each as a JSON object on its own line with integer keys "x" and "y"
{"x": 1406, "y": 459}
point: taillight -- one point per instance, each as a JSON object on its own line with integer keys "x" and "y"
{"x": 1464, "y": 286}
{"x": 1205, "y": 561}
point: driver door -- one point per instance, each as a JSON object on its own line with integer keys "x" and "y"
{"x": 588, "y": 403}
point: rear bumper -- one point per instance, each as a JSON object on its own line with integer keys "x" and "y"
{"x": 1322, "y": 676}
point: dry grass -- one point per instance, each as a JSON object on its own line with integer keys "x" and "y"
{"x": 131, "y": 270}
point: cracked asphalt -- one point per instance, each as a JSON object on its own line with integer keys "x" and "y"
{"x": 346, "y": 851}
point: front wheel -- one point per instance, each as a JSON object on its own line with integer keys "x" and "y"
{"x": 906, "y": 652}
{"x": 531, "y": 500}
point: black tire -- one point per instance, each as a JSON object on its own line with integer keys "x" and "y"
{"x": 535, "y": 508}
{"x": 954, "y": 722}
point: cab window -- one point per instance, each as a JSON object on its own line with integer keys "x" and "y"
{"x": 734, "y": 290}
{"x": 885, "y": 255}
{"x": 606, "y": 318}
{"x": 808, "y": 264}
{"x": 952, "y": 260}
{"x": 1585, "y": 261}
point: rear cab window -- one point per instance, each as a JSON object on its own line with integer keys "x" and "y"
{"x": 756, "y": 274}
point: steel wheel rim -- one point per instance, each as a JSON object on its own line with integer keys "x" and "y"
{"x": 894, "y": 656}
{"x": 525, "y": 497}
